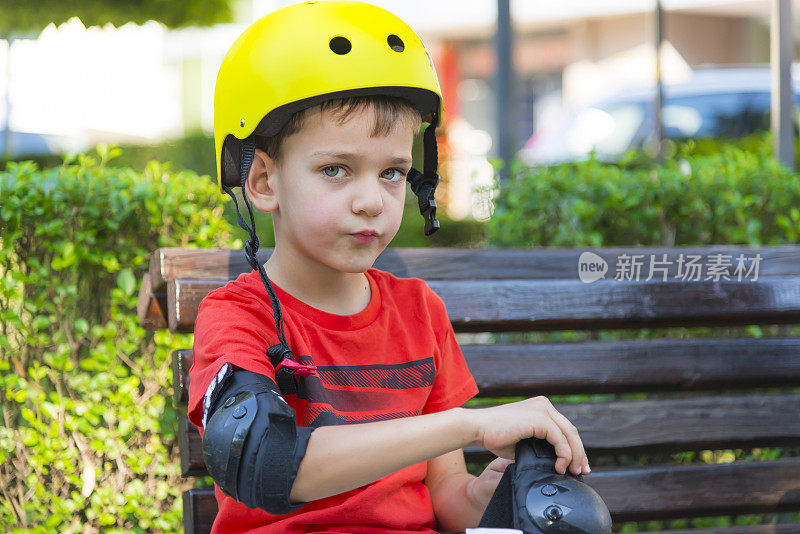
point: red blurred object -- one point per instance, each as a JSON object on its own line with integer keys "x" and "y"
{"x": 449, "y": 78}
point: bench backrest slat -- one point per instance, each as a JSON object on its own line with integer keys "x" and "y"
{"x": 199, "y": 510}
{"x": 611, "y": 366}
{"x": 671, "y": 425}
{"x": 151, "y": 306}
{"x": 515, "y": 305}
{"x": 634, "y": 365}
{"x": 692, "y": 490}
{"x": 203, "y": 499}
{"x": 470, "y": 264}
{"x": 687, "y": 490}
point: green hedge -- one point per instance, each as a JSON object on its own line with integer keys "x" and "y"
{"x": 702, "y": 194}
{"x": 194, "y": 151}
{"x": 87, "y": 438}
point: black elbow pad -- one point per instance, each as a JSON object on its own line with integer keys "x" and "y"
{"x": 252, "y": 445}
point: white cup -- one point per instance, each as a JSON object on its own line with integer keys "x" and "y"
{"x": 493, "y": 531}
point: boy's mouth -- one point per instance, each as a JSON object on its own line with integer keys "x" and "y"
{"x": 365, "y": 236}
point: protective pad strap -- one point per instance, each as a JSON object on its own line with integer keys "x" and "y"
{"x": 251, "y": 444}
{"x": 499, "y": 512}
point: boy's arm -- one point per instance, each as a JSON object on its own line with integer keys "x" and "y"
{"x": 459, "y": 498}
{"x": 343, "y": 457}
{"x": 454, "y": 503}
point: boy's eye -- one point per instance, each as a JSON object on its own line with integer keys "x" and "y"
{"x": 332, "y": 171}
{"x": 394, "y": 175}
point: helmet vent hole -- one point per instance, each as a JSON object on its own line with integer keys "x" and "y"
{"x": 395, "y": 43}
{"x": 340, "y": 45}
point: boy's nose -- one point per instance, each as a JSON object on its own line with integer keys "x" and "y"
{"x": 367, "y": 198}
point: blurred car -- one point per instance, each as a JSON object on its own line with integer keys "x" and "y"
{"x": 724, "y": 103}
{"x": 26, "y": 144}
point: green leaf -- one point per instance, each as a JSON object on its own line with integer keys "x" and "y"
{"x": 81, "y": 326}
{"x": 124, "y": 427}
{"x": 49, "y": 409}
{"x": 126, "y": 281}
{"x": 41, "y": 322}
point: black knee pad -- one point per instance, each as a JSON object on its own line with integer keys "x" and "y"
{"x": 252, "y": 445}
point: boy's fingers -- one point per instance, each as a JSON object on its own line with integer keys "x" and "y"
{"x": 556, "y": 437}
{"x": 576, "y": 445}
{"x": 555, "y": 434}
{"x": 506, "y": 452}
{"x": 499, "y": 464}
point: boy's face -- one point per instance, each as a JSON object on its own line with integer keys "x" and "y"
{"x": 337, "y": 193}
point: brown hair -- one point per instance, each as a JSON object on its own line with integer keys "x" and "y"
{"x": 387, "y": 110}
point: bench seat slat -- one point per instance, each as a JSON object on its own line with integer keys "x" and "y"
{"x": 432, "y": 263}
{"x": 611, "y": 366}
{"x": 514, "y": 305}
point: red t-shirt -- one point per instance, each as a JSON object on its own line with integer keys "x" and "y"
{"x": 396, "y": 358}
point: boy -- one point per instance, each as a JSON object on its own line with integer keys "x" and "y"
{"x": 328, "y": 394}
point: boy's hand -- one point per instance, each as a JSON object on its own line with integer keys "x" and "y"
{"x": 500, "y": 428}
{"x": 481, "y": 488}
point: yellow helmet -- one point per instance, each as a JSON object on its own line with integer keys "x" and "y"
{"x": 305, "y": 53}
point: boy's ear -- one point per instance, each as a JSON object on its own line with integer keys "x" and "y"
{"x": 261, "y": 181}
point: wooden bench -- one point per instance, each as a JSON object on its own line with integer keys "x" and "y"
{"x": 651, "y": 398}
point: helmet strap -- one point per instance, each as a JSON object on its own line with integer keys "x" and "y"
{"x": 251, "y": 245}
{"x": 424, "y": 184}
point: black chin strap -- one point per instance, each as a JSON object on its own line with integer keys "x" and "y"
{"x": 424, "y": 184}
{"x": 280, "y": 355}
{"x": 251, "y": 245}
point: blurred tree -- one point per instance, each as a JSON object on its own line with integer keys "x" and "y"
{"x": 22, "y": 16}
